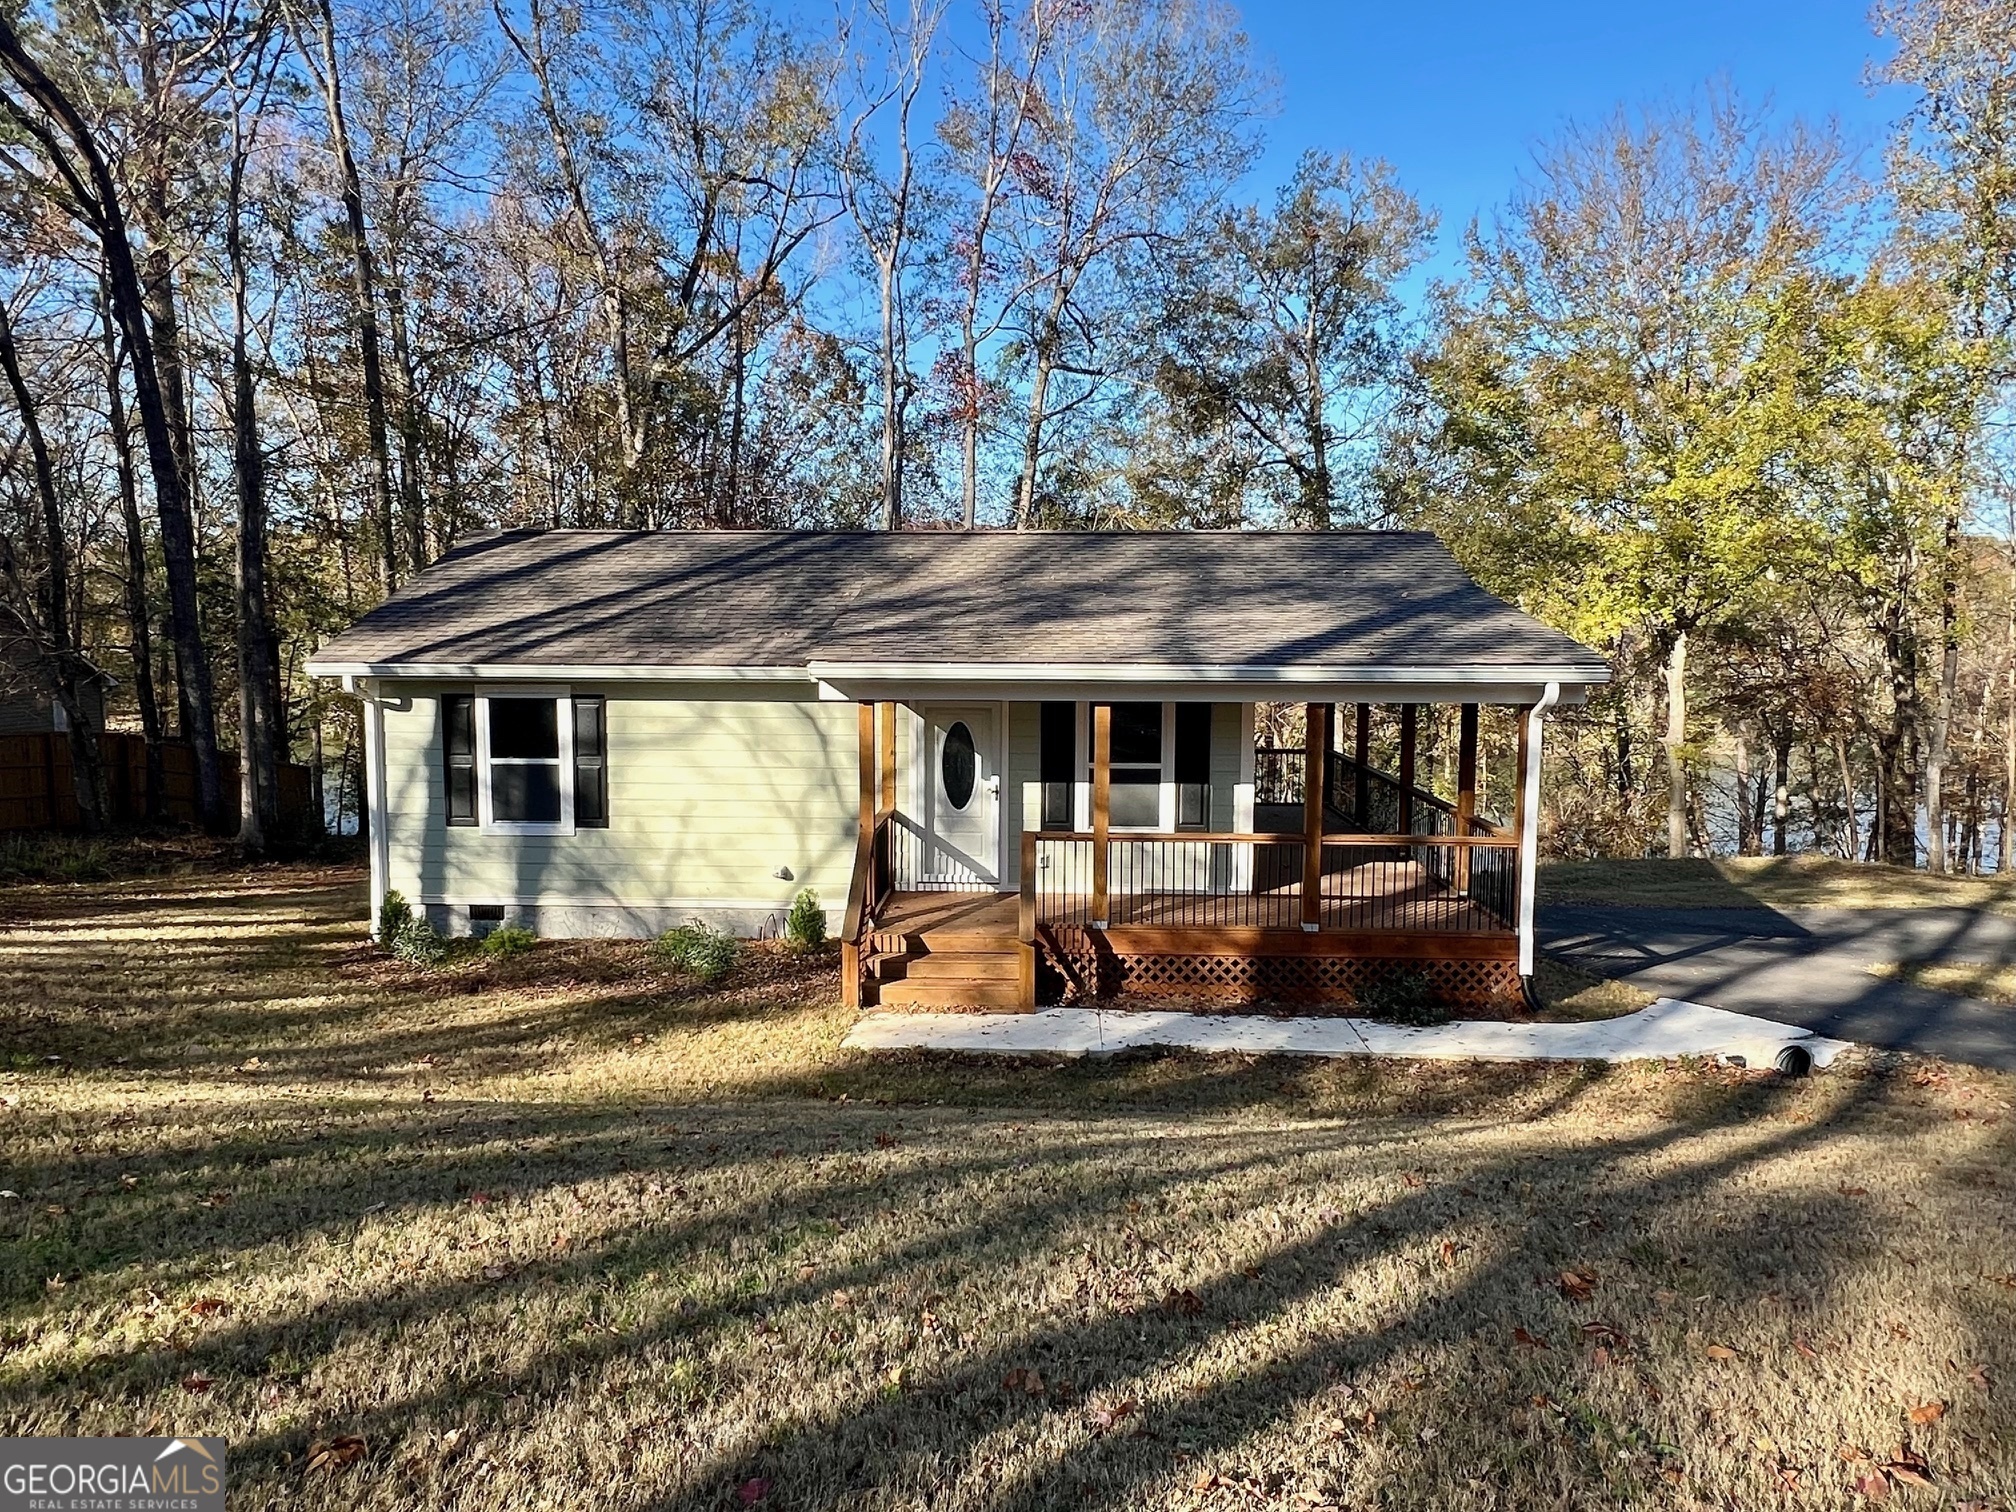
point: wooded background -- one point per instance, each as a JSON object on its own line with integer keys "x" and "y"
{"x": 295, "y": 293}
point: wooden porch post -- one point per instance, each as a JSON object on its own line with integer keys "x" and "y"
{"x": 888, "y": 758}
{"x": 1410, "y": 726}
{"x": 1361, "y": 752}
{"x": 1466, "y": 791}
{"x": 1102, "y": 804}
{"x": 1315, "y": 745}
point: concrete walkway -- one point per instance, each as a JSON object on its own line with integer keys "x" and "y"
{"x": 1807, "y": 966}
{"x": 1666, "y": 1029}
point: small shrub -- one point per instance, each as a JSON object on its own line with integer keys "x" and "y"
{"x": 407, "y": 935}
{"x": 805, "y": 925}
{"x": 508, "y": 940}
{"x": 1404, "y": 997}
{"x": 54, "y": 858}
{"x": 708, "y": 953}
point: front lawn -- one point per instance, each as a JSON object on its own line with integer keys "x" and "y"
{"x": 570, "y": 1230}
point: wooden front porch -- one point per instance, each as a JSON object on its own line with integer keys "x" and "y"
{"x": 1384, "y": 888}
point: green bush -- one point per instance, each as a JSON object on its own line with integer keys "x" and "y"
{"x": 508, "y": 940}
{"x": 705, "y": 951}
{"x": 1403, "y": 996}
{"x": 805, "y": 925}
{"x": 406, "y": 934}
{"x": 54, "y": 858}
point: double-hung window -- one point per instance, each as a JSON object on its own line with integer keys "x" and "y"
{"x": 531, "y": 761}
{"x": 1136, "y": 798}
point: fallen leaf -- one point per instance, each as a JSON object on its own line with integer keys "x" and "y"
{"x": 1186, "y": 1302}
{"x": 1927, "y": 1412}
{"x": 1873, "y": 1484}
{"x": 204, "y": 1307}
{"x": 1450, "y": 1249}
{"x": 344, "y": 1449}
{"x": 1107, "y": 1418}
{"x": 1607, "y": 1333}
{"x": 1026, "y": 1379}
{"x": 196, "y": 1384}
{"x": 1530, "y": 1340}
{"x": 1854, "y": 1191}
{"x": 1578, "y": 1285}
{"x": 479, "y": 1199}
{"x": 1979, "y": 1376}
{"x": 1805, "y": 1348}
{"x": 752, "y": 1491}
{"x": 1909, "y": 1466}
{"x": 1720, "y": 1352}
{"x": 1855, "y": 1454}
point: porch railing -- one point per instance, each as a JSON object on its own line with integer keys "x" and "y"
{"x": 1374, "y": 882}
{"x": 1364, "y": 796}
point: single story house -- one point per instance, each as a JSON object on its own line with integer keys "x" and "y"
{"x": 1012, "y": 764}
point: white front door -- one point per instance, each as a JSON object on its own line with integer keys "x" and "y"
{"x": 961, "y": 787}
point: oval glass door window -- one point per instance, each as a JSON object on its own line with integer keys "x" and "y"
{"x": 958, "y": 766}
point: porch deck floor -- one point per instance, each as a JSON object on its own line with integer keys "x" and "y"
{"x": 1387, "y": 896}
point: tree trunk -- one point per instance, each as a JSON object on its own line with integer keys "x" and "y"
{"x": 363, "y": 287}
{"x": 1936, "y": 840}
{"x": 258, "y": 773}
{"x": 59, "y": 665}
{"x": 1743, "y": 830}
{"x": 412, "y": 491}
{"x": 893, "y": 401}
{"x": 1032, "y": 440}
{"x": 1781, "y": 793}
{"x": 139, "y": 626}
{"x": 2006, "y": 837}
{"x": 96, "y": 197}
{"x": 1676, "y": 741}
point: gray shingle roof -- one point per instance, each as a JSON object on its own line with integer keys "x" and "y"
{"x": 759, "y": 599}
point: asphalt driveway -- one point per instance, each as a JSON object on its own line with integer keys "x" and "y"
{"x": 1806, "y": 966}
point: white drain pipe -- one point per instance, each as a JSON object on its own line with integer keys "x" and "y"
{"x": 1529, "y": 825}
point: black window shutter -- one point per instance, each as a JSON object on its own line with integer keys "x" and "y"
{"x": 458, "y": 754}
{"x": 1193, "y": 766}
{"x": 1058, "y": 754}
{"x": 591, "y": 764}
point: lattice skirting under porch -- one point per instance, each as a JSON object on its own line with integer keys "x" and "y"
{"x": 1312, "y": 980}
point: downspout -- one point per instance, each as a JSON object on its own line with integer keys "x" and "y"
{"x": 366, "y": 690}
{"x": 1529, "y": 833}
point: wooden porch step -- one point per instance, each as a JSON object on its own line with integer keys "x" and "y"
{"x": 960, "y": 942}
{"x": 949, "y": 966}
{"x": 952, "y": 993}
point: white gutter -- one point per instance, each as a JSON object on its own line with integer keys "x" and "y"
{"x": 555, "y": 672}
{"x": 1529, "y": 826}
{"x": 1147, "y": 672}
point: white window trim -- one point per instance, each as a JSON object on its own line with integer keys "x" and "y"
{"x": 1165, "y": 807}
{"x": 563, "y": 698}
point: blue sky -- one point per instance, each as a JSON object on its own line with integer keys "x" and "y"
{"x": 1456, "y": 93}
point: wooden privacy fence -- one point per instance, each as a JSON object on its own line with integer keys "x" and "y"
{"x": 37, "y": 793}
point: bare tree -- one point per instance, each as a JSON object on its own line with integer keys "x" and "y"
{"x": 89, "y": 192}
{"x": 884, "y": 203}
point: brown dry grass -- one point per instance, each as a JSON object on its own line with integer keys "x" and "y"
{"x": 568, "y": 1231}
{"x": 1984, "y": 981}
{"x": 1767, "y": 882}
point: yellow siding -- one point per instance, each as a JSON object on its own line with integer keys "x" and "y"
{"x": 708, "y": 796}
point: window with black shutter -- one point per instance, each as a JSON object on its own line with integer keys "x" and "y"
{"x": 591, "y": 765}
{"x": 458, "y": 746}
